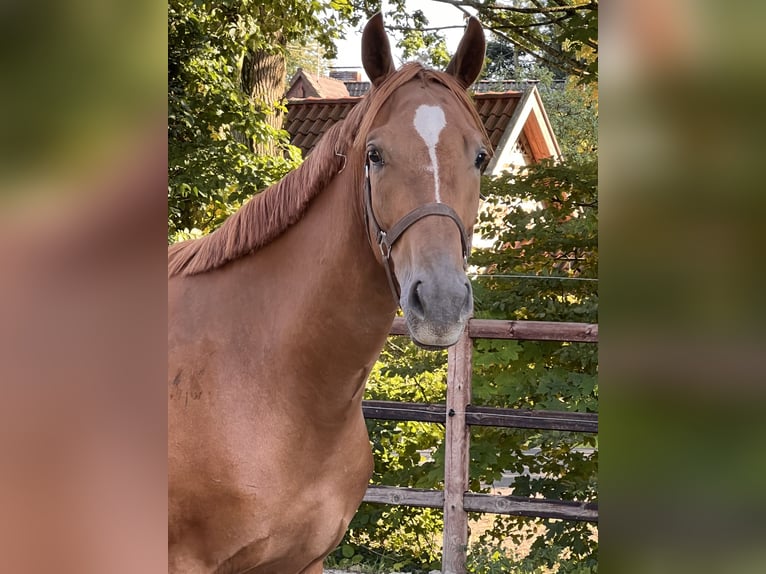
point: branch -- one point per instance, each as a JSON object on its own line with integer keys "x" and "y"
{"x": 459, "y": 6}
{"x": 461, "y": 27}
{"x": 575, "y": 203}
{"x": 550, "y": 22}
{"x": 592, "y": 5}
{"x": 528, "y": 42}
{"x": 539, "y": 10}
{"x": 536, "y": 24}
{"x": 433, "y": 29}
{"x": 548, "y": 55}
{"x": 548, "y": 10}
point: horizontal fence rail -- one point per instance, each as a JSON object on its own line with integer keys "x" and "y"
{"x": 521, "y": 330}
{"x": 482, "y": 416}
{"x": 458, "y": 415}
{"x": 535, "y": 507}
{"x": 486, "y": 503}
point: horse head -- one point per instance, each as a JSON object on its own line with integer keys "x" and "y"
{"x": 425, "y": 150}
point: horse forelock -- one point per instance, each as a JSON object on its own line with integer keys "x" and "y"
{"x": 270, "y": 213}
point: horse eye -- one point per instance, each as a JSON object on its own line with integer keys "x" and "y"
{"x": 480, "y": 159}
{"x": 374, "y": 156}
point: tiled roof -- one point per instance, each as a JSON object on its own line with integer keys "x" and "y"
{"x": 306, "y": 85}
{"x": 495, "y": 111}
{"x": 357, "y": 88}
{"x": 331, "y": 88}
{"x": 309, "y": 118}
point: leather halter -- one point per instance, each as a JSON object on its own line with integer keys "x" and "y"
{"x": 386, "y": 239}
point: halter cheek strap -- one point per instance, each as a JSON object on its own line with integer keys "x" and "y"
{"x": 386, "y": 239}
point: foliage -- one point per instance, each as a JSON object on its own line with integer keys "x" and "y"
{"x": 504, "y": 61}
{"x": 213, "y": 126}
{"x": 210, "y": 169}
{"x": 417, "y": 42}
{"x": 297, "y": 21}
{"x": 306, "y": 54}
{"x": 542, "y": 224}
{"x": 573, "y": 113}
{"x": 501, "y": 62}
{"x": 545, "y": 223}
{"x": 489, "y": 558}
{"x": 549, "y": 552}
{"x": 559, "y": 34}
{"x": 400, "y": 537}
{"x": 572, "y": 106}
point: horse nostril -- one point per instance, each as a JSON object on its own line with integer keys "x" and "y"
{"x": 416, "y": 303}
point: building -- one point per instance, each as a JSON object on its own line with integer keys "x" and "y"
{"x": 516, "y": 122}
{"x": 307, "y": 85}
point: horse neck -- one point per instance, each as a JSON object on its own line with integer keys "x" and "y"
{"x": 344, "y": 279}
{"x": 334, "y": 306}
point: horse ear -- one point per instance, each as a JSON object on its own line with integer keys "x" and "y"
{"x": 467, "y": 62}
{"x": 376, "y": 51}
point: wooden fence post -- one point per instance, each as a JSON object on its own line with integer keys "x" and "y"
{"x": 457, "y": 458}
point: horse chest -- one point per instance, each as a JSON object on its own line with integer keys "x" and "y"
{"x": 294, "y": 525}
{"x": 292, "y": 501}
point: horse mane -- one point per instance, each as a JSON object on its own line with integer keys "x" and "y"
{"x": 270, "y": 213}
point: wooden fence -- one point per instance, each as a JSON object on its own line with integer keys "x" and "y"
{"x": 458, "y": 415}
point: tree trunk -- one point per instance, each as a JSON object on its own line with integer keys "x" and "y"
{"x": 263, "y": 79}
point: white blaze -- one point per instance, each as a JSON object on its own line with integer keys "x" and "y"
{"x": 429, "y": 122}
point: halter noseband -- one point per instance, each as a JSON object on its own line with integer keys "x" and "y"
{"x": 386, "y": 239}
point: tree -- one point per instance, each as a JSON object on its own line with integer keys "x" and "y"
{"x": 572, "y": 106}
{"x": 505, "y": 61}
{"x": 573, "y": 112}
{"x": 225, "y": 66}
{"x": 277, "y": 24}
{"x": 542, "y": 265}
{"x": 561, "y": 34}
{"x": 210, "y": 169}
{"x": 309, "y": 55}
{"x": 502, "y": 62}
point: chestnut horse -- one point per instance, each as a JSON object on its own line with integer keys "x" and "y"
{"x": 277, "y": 317}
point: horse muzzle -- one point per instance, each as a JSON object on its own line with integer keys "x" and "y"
{"x": 437, "y": 308}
